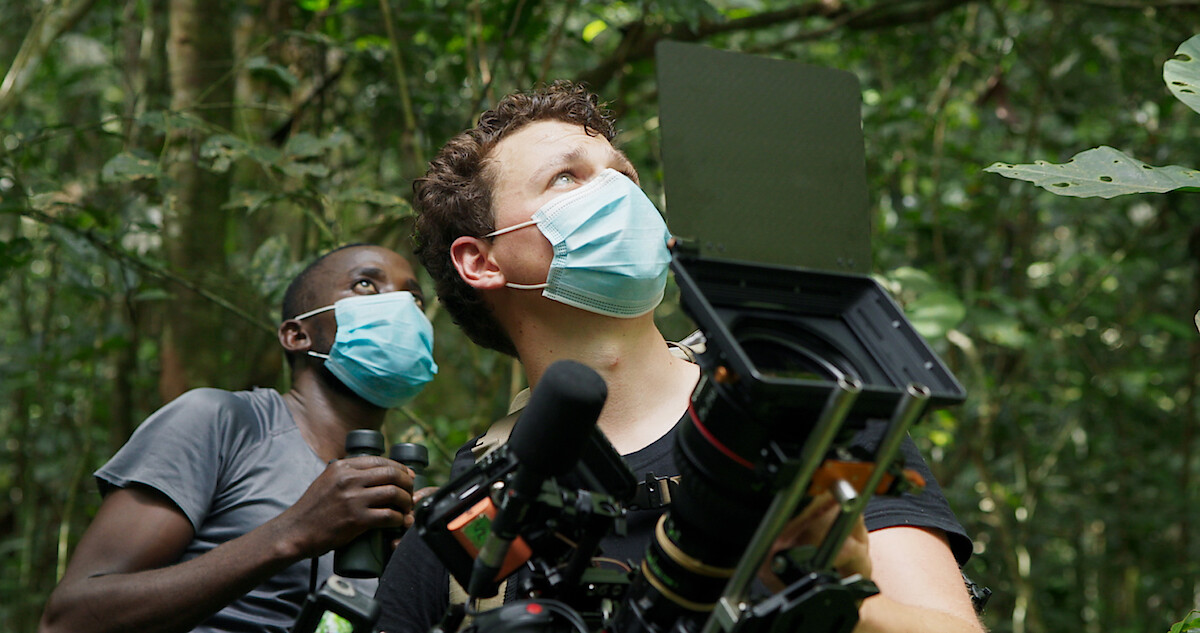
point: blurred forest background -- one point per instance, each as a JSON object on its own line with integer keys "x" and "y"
{"x": 167, "y": 165}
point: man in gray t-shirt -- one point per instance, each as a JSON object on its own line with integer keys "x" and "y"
{"x": 218, "y": 508}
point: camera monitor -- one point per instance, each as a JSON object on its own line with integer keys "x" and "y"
{"x": 763, "y": 159}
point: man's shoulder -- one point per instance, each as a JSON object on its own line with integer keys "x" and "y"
{"x": 207, "y": 419}
{"x": 208, "y": 404}
{"x": 223, "y": 399}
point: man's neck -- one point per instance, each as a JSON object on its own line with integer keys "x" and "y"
{"x": 648, "y": 387}
{"x": 325, "y": 415}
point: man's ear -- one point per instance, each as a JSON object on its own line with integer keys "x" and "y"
{"x": 293, "y": 337}
{"x": 472, "y": 257}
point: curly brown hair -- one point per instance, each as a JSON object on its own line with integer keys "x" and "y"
{"x": 454, "y": 198}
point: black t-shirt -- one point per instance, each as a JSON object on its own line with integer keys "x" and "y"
{"x": 414, "y": 590}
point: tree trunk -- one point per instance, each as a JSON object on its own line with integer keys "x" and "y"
{"x": 199, "y": 59}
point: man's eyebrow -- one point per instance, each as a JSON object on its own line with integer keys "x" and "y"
{"x": 552, "y": 166}
{"x": 414, "y": 288}
{"x": 368, "y": 271}
{"x": 625, "y": 163}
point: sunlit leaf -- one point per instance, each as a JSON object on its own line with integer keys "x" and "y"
{"x": 164, "y": 121}
{"x": 316, "y": 6}
{"x": 370, "y": 196}
{"x": 367, "y": 42}
{"x": 300, "y": 170}
{"x": 153, "y": 294}
{"x": 913, "y": 280}
{"x": 251, "y": 201}
{"x": 1189, "y": 624}
{"x": 304, "y": 145}
{"x": 265, "y": 156}
{"x": 127, "y": 167}
{"x": 222, "y": 150}
{"x": 1001, "y": 329}
{"x": 935, "y": 313}
{"x": 270, "y": 268}
{"x": 1102, "y": 172}
{"x": 1182, "y": 74}
{"x": 594, "y": 29}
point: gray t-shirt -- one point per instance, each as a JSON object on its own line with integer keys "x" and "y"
{"x": 231, "y": 461}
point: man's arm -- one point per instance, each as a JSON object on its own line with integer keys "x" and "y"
{"x": 125, "y": 575}
{"x": 921, "y": 588}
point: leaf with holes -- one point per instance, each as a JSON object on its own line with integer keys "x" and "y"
{"x": 1182, "y": 74}
{"x": 1102, "y": 172}
{"x": 128, "y": 167}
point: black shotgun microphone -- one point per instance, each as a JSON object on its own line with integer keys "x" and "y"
{"x": 546, "y": 442}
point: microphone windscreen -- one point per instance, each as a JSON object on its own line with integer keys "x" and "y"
{"x": 549, "y": 436}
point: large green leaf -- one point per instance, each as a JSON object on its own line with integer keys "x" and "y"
{"x": 1182, "y": 74}
{"x": 935, "y": 313}
{"x": 1102, "y": 172}
{"x": 1189, "y": 623}
{"x": 260, "y": 66}
{"x": 127, "y": 166}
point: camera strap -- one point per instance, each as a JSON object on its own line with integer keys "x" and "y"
{"x": 498, "y": 432}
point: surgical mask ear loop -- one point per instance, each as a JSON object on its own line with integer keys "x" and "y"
{"x": 313, "y": 313}
{"x": 510, "y": 229}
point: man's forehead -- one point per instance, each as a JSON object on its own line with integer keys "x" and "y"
{"x": 356, "y": 259}
{"x": 546, "y": 141}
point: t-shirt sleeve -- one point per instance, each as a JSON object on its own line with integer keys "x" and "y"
{"x": 928, "y": 509}
{"x": 414, "y": 591}
{"x": 178, "y": 451}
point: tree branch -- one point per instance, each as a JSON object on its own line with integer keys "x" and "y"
{"x": 638, "y": 39}
{"x": 121, "y": 255}
{"x": 1135, "y": 4}
{"x": 52, "y": 22}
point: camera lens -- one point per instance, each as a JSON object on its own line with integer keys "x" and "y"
{"x": 786, "y": 352}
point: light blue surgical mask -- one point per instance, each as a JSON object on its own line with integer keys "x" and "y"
{"x": 383, "y": 350}
{"x": 610, "y": 248}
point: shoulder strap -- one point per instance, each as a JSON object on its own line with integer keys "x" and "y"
{"x": 458, "y": 595}
{"x": 655, "y": 492}
{"x": 496, "y": 435}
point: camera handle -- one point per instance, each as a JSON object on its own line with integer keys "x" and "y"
{"x": 732, "y": 609}
{"x": 912, "y": 404}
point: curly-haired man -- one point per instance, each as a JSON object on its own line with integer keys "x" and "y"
{"x": 543, "y": 247}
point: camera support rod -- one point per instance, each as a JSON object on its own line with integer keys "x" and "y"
{"x": 731, "y": 605}
{"x": 908, "y": 410}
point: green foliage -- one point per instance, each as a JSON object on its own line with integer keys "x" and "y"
{"x": 1182, "y": 73}
{"x": 1105, "y": 172}
{"x": 1188, "y": 624}
{"x": 1072, "y": 464}
{"x": 1102, "y": 172}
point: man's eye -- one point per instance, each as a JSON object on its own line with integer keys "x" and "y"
{"x": 364, "y": 284}
{"x": 565, "y": 178}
